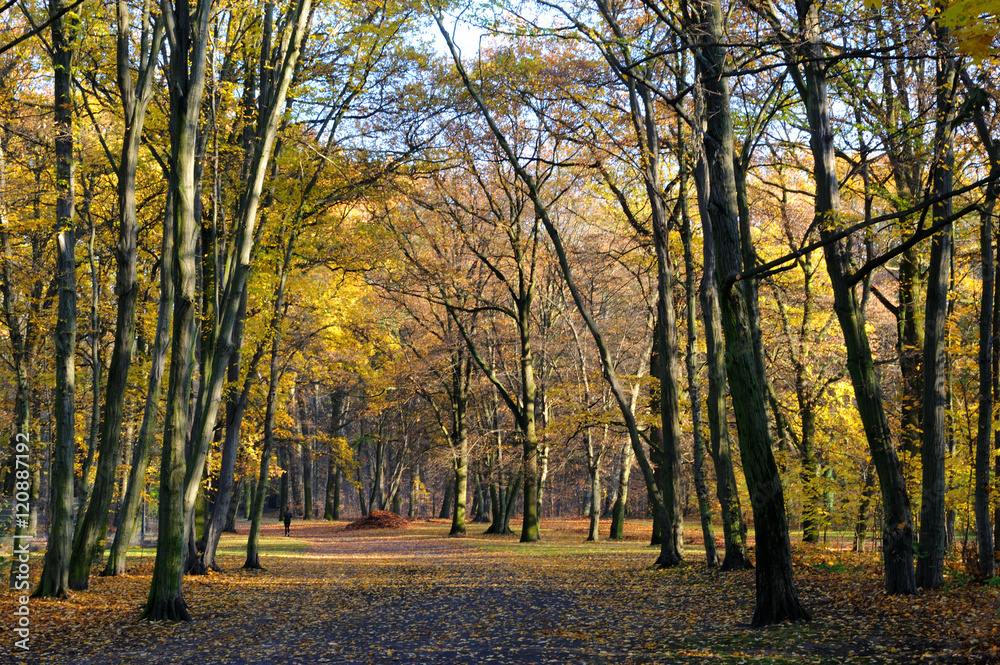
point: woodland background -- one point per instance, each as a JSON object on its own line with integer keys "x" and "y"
{"x": 730, "y": 262}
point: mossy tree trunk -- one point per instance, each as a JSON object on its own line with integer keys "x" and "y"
{"x": 712, "y": 558}
{"x": 55, "y": 572}
{"x": 776, "y": 595}
{"x": 734, "y": 529}
{"x": 129, "y": 510}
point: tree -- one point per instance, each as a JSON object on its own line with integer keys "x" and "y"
{"x": 187, "y": 35}
{"x": 136, "y": 97}
{"x": 55, "y": 573}
{"x": 933, "y": 537}
{"x": 777, "y": 598}
{"x": 805, "y": 59}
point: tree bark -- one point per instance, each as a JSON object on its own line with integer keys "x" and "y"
{"x": 777, "y": 598}
{"x": 129, "y": 510}
{"x": 55, "y": 572}
{"x": 987, "y": 332}
{"x": 933, "y": 532}
{"x": 135, "y": 101}
{"x": 811, "y": 81}
{"x": 712, "y": 558}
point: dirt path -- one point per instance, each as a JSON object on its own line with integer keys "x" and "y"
{"x": 402, "y": 597}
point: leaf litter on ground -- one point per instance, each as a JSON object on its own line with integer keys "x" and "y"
{"x": 416, "y": 596}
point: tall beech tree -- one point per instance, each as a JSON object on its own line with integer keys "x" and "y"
{"x": 987, "y": 327}
{"x": 135, "y": 96}
{"x": 804, "y": 52}
{"x": 777, "y": 598}
{"x": 128, "y": 511}
{"x": 933, "y": 533}
{"x": 291, "y": 32}
{"x": 55, "y": 572}
{"x": 187, "y": 35}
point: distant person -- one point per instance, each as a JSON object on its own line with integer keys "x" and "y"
{"x": 288, "y": 522}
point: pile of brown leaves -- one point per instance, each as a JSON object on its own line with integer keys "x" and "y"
{"x": 379, "y": 519}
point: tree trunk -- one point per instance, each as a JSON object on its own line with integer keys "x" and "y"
{"x": 295, "y": 475}
{"x": 411, "y": 514}
{"x": 621, "y": 501}
{"x": 129, "y": 510}
{"x": 221, "y": 507}
{"x": 593, "y": 533}
{"x": 332, "y": 511}
{"x": 987, "y": 330}
{"x": 483, "y": 514}
{"x": 812, "y": 502}
{"x": 460, "y": 436}
{"x": 23, "y": 468}
{"x": 307, "y": 474}
{"x": 135, "y": 100}
{"x": 188, "y": 45}
{"x": 449, "y": 493}
{"x": 655, "y": 443}
{"x": 543, "y": 474}
{"x": 414, "y": 511}
{"x": 733, "y": 528}
{"x": 933, "y": 534}
{"x": 55, "y": 573}
{"x": 777, "y": 599}
{"x": 83, "y": 495}
{"x": 283, "y": 482}
{"x": 257, "y": 507}
{"x": 694, "y": 390}
{"x": 338, "y": 409}
{"x": 497, "y": 508}
{"x": 861, "y": 524}
{"x": 234, "y": 507}
{"x": 274, "y": 376}
{"x": 911, "y": 344}
{"x": 511, "y": 502}
{"x": 460, "y": 493}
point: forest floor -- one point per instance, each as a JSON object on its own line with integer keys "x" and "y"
{"x": 416, "y": 596}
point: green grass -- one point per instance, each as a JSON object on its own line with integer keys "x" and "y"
{"x": 235, "y": 544}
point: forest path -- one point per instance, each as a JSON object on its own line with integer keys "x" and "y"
{"x": 414, "y": 596}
